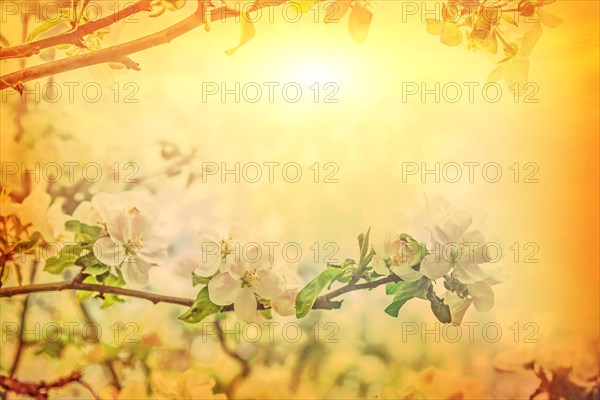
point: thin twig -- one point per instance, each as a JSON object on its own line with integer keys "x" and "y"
{"x": 20, "y": 342}
{"x": 75, "y": 37}
{"x": 245, "y": 366}
{"x": 106, "y": 363}
{"x": 89, "y": 388}
{"x": 39, "y": 390}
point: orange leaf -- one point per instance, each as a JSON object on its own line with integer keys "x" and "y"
{"x": 451, "y": 34}
{"x": 246, "y": 34}
{"x": 433, "y": 26}
{"x": 360, "y": 20}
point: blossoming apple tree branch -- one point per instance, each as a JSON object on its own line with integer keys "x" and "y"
{"x": 324, "y": 302}
{"x": 116, "y": 241}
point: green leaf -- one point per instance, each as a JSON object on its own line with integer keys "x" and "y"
{"x": 440, "y": 310}
{"x": 46, "y": 26}
{"x": 52, "y": 349}
{"x": 87, "y": 260}
{"x": 115, "y": 279}
{"x": 201, "y": 308}
{"x": 82, "y": 295}
{"x": 65, "y": 259}
{"x": 403, "y": 292}
{"x": 419, "y": 249}
{"x": 86, "y": 233}
{"x": 363, "y": 242}
{"x": 199, "y": 280}
{"x": 27, "y": 245}
{"x": 267, "y": 314}
{"x": 94, "y": 269}
{"x": 306, "y": 297}
{"x": 391, "y": 287}
{"x": 109, "y": 299}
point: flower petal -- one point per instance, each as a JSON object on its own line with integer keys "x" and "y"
{"x": 257, "y": 257}
{"x": 379, "y": 266}
{"x": 223, "y": 289}
{"x": 108, "y": 251}
{"x": 135, "y": 271}
{"x": 406, "y": 272}
{"x": 475, "y": 238}
{"x": 208, "y": 241}
{"x": 468, "y": 273}
{"x": 483, "y": 296}
{"x": 285, "y": 304}
{"x": 457, "y": 224}
{"x": 245, "y": 305}
{"x": 433, "y": 269}
{"x": 124, "y": 226}
{"x": 458, "y": 306}
{"x": 86, "y": 213}
{"x": 207, "y": 265}
{"x": 385, "y": 244}
{"x": 270, "y": 284}
{"x": 153, "y": 251}
{"x": 236, "y": 269}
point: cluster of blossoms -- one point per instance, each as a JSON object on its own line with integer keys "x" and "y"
{"x": 131, "y": 242}
{"x": 509, "y": 29}
{"x": 245, "y": 276}
{"x": 245, "y": 279}
{"x": 464, "y": 265}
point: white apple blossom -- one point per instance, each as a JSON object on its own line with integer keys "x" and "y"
{"x": 458, "y": 248}
{"x": 218, "y": 250}
{"x": 132, "y": 243}
{"x": 479, "y": 294}
{"x": 285, "y": 304}
{"x": 245, "y": 278}
{"x": 393, "y": 253}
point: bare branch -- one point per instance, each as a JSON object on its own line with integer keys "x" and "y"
{"x": 39, "y": 390}
{"x": 58, "y": 287}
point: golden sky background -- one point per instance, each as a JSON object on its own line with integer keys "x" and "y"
{"x": 369, "y": 134}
